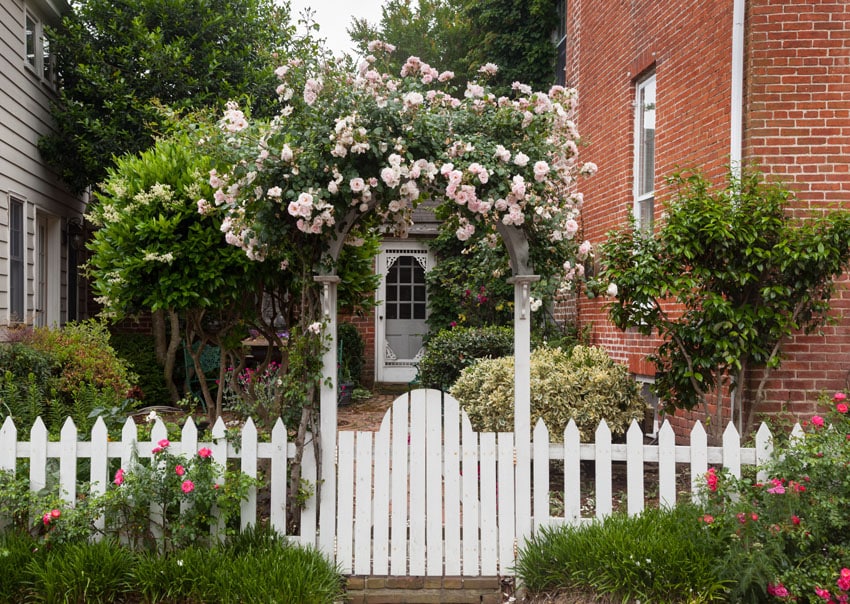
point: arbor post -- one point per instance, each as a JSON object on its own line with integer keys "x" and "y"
{"x": 522, "y": 402}
{"x": 327, "y": 417}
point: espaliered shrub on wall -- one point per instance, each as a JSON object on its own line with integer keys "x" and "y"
{"x": 584, "y": 385}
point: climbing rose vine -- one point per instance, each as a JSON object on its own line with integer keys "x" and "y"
{"x": 353, "y": 146}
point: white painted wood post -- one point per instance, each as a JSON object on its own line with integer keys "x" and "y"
{"x": 522, "y": 402}
{"x": 327, "y": 417}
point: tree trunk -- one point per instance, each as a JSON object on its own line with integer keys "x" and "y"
{"x": 160, "y": 342}
{"x": 171, "y": 355}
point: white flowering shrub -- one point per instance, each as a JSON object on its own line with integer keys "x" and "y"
{"x": 584, "y": 385}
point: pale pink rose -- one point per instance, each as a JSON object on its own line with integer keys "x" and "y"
{"x": 541, "y": 170}
{"x": 357, "y": 184}
{"x": 521, "y": 159}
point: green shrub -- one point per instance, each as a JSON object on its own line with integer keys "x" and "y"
{"x": 450, "y": 351}
{"x": 138, "y": 352}
{"x": 28, "y": 384}
{"x": 56, "y": 373}
{"x": 584, "y": 385}
{"x": 657, "y": 556}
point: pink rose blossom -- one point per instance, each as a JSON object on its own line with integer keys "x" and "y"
{"x": 164, "y": 443}
{"x": 839, "y": 396}
{"x": 119, "y": 477}
{"x": 817, "y": 421}
{"x": 778, "y": 590}
{"x": 179, "y": 470}
{"x": 55, "y": 513}
{"x": 204, "y": 453}
{"x": 841, "y": 407}
{"x": 188, "y": 486}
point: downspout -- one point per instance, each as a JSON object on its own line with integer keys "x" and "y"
{"x": 736, "y": 136}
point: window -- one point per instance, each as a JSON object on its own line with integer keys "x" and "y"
{"x": 16, "y": 261}
{"x": 559, "y": 38}
{"x": 644, "y": 170}
{"x": 651, "y": 420}
{"x": 37, "y": 47}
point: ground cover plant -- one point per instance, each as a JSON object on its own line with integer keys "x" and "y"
{"x": 255, "y": 566}
{"x": 783, "y": 539}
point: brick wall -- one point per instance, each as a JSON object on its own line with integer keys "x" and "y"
{"x": 797, "y": 126}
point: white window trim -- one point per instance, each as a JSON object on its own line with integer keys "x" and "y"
{"x": 640, "y": 198}
{"x": 44, "y": 72}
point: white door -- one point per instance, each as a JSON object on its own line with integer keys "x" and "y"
{"x": 402, "y": 310}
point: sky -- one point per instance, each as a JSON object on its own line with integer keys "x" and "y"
{"x": 334, "y": 16}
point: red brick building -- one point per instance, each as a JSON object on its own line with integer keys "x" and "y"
{"x": 689, "y": 83}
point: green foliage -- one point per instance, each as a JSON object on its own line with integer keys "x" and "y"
{"x": 516, "y": 35}
{"x": 257, "y": 566}
{"x": 352, "y": 346}
{"x": 584, "y": 385}
{"x": 82, "y": 572}
{"x": 450, "y": 351}
{"x": 118, "y": 62}
{"x": 745, "y": 270}
{"x": 153, "y": 250}
{"x": 137, "y": 350}
{"x": 56, "y": 373}
{"x": 657, "y": 556}
{"x": 790, "y": 532}
{"x": 468, "y": 285}
{"x": 436, "y": 31}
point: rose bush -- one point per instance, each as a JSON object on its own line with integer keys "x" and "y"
{"x": 788, "y": 538}
{"x": 351, "y": 147}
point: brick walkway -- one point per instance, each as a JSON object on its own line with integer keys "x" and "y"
{"x": 365, "y": 415}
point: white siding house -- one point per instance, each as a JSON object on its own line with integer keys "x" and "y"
{"x": 39, "y": 218}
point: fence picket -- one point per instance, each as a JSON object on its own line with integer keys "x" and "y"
{"x": 699, "y": 459}
{"x": 604, "y": 505}
{"x": 363, "y": 504}
{"x": 572, "y": 473}
{"x": 278, "y": 477}
{"x": 488, "y": 493}
{"x": 310, "y": 474}
{"x": 433, "y": 484}
{"x": 417, "y": 544}
{"x": 451, "y": 480}
{"x": 634, "y": 469}
{"x": 38, "y": 455}
{"x": 764, "y": 450}
{"x": 471, "y": 504}
{"x": 381, "y": 506}
{"x": 540, "y": 484}
{"x": 68, "y": 462}
{"x": 99, "y": 469}
{"x": 219, "y": 454}
{"x": 666, "y": 465}
{"x": 399, "y": 492}
{"x": 345, "y": 500}
{"x": 248, "y": 464}
{"x": 8, "y": 445}
{"x": 129, "y": 436}
{"x": 732, "y": 450}
{"x": 506, "y": 500}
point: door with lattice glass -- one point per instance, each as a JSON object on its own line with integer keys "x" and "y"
{"x": 403, "y": 310}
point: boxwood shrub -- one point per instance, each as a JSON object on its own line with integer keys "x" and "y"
{"x": 584, "y": 385}
{"x": 450, "y": 351}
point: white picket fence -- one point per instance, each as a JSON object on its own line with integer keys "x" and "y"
{"x": 425, "y": 494}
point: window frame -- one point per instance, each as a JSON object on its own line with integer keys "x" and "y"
{"x": 37, "y": 56}
{"x": 17, "y": 260}
{"x": 644, "y": 199}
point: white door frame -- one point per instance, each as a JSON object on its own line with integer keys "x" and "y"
{"x": 388, "y": 369}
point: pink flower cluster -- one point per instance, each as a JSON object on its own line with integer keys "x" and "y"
{"x": 50, "y": 516}
{"x": 711, "y": 479}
